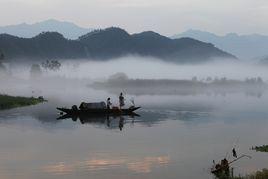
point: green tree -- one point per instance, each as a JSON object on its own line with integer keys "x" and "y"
{"x": 52, "y": 65}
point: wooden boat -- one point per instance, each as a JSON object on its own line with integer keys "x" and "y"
{"x": 94, "y": 117}
{"x": 113, "y": 111}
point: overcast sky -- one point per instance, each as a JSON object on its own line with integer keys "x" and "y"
{"x": 164, "y": 16}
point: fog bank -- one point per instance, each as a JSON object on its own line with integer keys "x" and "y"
{"x": 148, "y": 68}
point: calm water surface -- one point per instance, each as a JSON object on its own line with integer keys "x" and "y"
{"x": 174, "y": 137}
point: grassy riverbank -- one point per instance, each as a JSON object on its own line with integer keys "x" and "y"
{"x": 8, "y": 102}
{"x": 257, "y": 175}
{"x": 263, "y": 148}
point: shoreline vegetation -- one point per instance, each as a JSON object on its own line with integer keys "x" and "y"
{"x": 260, "y": 174}
{"x": 9, "y": 102}
{"x": 263, "y": 148}
{"x": 252, "y": 86}
{"x": 263, "y": 174}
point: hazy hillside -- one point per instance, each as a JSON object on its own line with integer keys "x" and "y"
{"x": 43, "y": 46}
{"x": 67, "y": 29}
{"x": 109, "y": 43}
{"x": 264, "y": 61}
{"x": 115, "y": 42}
{"x": 243, "y": 46}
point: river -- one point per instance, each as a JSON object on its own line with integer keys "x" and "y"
{"x": 175, "y": 136}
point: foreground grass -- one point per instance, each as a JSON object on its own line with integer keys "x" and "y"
{"x": 8, "y": 102}
{"x": 257, "y": 175}
{"x": 263, "y": 148}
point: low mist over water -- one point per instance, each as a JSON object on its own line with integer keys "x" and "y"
{"x": 76, "y": 74}
{"x": 148, "y": 68}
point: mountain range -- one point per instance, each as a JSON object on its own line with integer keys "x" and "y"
{"x": 67, "y": 29}
{"x": 245, "y": 47}
{"x": 109, "y": 43}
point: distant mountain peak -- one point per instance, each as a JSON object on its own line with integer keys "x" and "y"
{"x": 232, "y": 35}
{"x": 51, "y": 21}
{"x": 55, "y": 22}
{"x": 55, "y": 35}
{"x": 243, "y": 46}
{"x": 115, "y": 30}
{"x": 112, "y": 32}
{"x": 149, "y": 34}
{"x": 68, "y": 29}
{"x": 194, "y": 31}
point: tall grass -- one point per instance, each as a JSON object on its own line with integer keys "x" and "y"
{"x": 257, "y": 175}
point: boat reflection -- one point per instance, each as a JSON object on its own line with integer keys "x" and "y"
{"x": 111, "y": 121}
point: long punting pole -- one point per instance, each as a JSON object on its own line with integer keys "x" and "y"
{"x": 239, "y": 158}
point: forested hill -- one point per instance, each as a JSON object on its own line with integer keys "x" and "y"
{"x": 109, "y": 43}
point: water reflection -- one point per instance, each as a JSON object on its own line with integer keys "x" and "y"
{"x": 108, "y": 120}
{"x": 135, "y": 165}
{"x": 146, "y": 118}
{"x": 173, "y": 135}
{"x": 49, "y": 119}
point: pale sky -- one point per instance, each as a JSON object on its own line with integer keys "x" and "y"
{"x": 167, "y": 17}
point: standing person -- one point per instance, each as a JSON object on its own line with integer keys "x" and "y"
{"x": 234, "y": 153}
{"x": 121, "y": 100}
{"x": 108, "y": 103}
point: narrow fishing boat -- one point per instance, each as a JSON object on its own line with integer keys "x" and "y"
{"x": 97, "y": 109}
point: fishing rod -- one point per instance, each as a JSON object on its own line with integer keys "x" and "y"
{"x": 223, "y": 166}
{"x": 233, "y": 146}
{"x": 132, "y": 100}
{"x": 242, "y": 156}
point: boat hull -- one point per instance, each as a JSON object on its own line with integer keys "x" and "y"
{"x": 99, "y": 111}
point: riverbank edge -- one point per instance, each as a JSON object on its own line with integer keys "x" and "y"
{"x": 10, "y": 102}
